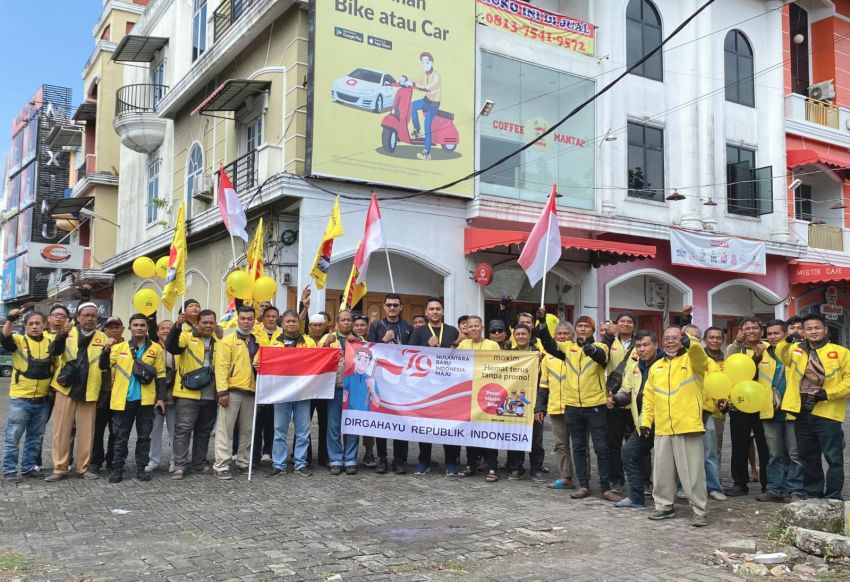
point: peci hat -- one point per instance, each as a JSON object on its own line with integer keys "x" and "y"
{"x": 318, "y": 318}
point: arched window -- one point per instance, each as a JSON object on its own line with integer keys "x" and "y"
{"x": 739, "y": 69}
{"x": 194, "y": 174}
{"x": 643, "y": 33}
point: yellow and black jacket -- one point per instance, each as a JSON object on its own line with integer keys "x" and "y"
{"x": 234, "y": 356}
{"x": 120, "y": 358}
{"x": 836, "y": 366}
{"x": 584, "y": 373}
{"x": 65, "y": 348}
{"x": 189, "y": 353}
{"x": 24, "y": 349}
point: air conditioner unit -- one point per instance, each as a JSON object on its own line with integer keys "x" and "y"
{"x": 201, "y": 189}
{"x": 823, "y": 91}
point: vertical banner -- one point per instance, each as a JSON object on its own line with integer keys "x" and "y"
{"x": 438, "y": 395}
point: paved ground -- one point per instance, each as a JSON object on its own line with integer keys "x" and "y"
{"x": 347, "y": 528}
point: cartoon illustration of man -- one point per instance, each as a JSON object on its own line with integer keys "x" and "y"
{"x": 431, "y": 84}
{"x": 359, "y": 389}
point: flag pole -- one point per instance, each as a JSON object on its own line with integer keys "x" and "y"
{"x": 389, "y": 268}
{"x": 253, "y": 428}
{"x": 545, "y": 260}
{"x": 233, "y": 248}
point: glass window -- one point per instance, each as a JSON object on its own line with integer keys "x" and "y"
{"x": 799, "y": 50}
{"x": 803, "y": 203}
{"x": 738, "y": 55}
{"x": 254, "y": 134}
{"x": 158, "y": 82}
{"x": 646, "y": 162}
{"x": 13, "y": 195}
{"x": 194, "y": 174}
{"x": 749, "y": 190}
{"x": 27, "y": 185}
{"x": 199, "y": 29}
{"x": 528, "y": 100}
{"x": 153, "y": 188}
{"x": 24, "y": 230}
{"x": 643, "y": 34}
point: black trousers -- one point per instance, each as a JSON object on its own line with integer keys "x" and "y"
{"x": 820, "y": 439}
{"x": 741, "y": 426}
{"x": 620, "y": 427}
{"x": 122, "y": 423}
{"x": 594, "y": 422}
{"x": 321, "y": 406}
{"x": 399, "y": 450}
{"x": 452, "y": 454}
{"x": 102, "y": 422}
{"x": 263, "y": 432}
{"x": 535, "y": 457}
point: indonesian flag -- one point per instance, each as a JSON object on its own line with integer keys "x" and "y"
{"x": 292, "y": 374}
{"x": 543, "y": 248}
{"x": 232, "y": 213}
{"x": 373, "y": 239}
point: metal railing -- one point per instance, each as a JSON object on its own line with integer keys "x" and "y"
{"x": 824, "y": 236}
{"x": 228, "y": 12}
{"x": 243, "y": 171}
{"x": 822, "y": 113}
{"x": 142, "y": 98}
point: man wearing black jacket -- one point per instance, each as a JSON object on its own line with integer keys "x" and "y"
{"x": 392, "y": 329}
{"x": 436, "y": 334}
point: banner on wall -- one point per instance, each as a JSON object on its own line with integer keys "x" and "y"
{"x": 438, "y": 395}
{"x": 393, "y": 93}
{"x": 536, "y": 23}
{"x": 720, "y": 253}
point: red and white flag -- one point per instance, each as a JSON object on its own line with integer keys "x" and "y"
{"x": 232, "y": 213}
{"x": 373, "y": 239}
{"x": 543, "y": 248}
{"x": 290, "y": 374}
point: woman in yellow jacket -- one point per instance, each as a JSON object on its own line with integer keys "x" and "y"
{"x": 29, "y": 399}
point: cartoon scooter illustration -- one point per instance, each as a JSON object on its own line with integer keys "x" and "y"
{"x": 396, "y": 123}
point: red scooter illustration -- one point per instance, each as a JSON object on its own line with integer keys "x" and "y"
{"x": 396, "y": 123}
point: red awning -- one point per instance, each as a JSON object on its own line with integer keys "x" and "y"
{"x": 479, "y": 239}
{"x": 817, "y": 273}
{"x": 806, "y": 157}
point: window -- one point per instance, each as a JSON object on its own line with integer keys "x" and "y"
{"x": 153, "y": 188}
{"x": 199, "y": 29}
{"x": 252, "y": 135}
{"x": 739, "y": 69}
{"x": 749, "y": 189}
{"x": 646, "y": 162}
{"x": 643, "y": 34}
{"x": 799, "y": 50}
{"x": 194, "y": 174}
{"x": 803, "y": 203}
{"x": 158, "y": 82}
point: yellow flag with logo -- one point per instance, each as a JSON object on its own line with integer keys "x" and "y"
{"x": 175, "y": 280}
{"x": 354, "y": 291}
{"x": 319, "y": 272}
{"x": 255, "y": 253}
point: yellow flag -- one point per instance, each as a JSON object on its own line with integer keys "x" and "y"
{"x": 323, "y": 255}
{"x": 354, "y": 292}
{"x": 175, "y": 280}
{"x": 255, "y": 253}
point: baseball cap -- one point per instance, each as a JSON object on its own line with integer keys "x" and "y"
{"x": 113, "y": 321}
{"x": 497, "y": 325}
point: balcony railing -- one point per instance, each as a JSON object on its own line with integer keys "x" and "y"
{"x": 824, "y": 236}
{"x": 139, "y": 98}
{"x": 822, "y": 113}
{"x": 243, "y": 172}
{"x": 228, "y": 12}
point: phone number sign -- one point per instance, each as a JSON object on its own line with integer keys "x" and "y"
{"x": 535, "y": 23}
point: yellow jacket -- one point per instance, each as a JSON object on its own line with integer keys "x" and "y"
{"x": 632, "y": 379}
{"x": 21, "y": 386}
{"x": 672, "y": 396}
{"x": 584, "y": 380}
{"x": 836, "y": 366}
{"x": 553, "y": 372}
{"x": 121, "y": 358}
{"x": 233, "y": 364}
{"x": 263, "y": 336}
{"x": 766, "y": 371}
{"x": 190, "y": 358}
{"x": 98, "y": 342}
{"x": 616, "y": 353}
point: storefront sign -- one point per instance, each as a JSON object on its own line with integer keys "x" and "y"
{"x": 817, "y": 273}
{"x": 537, "y": 24}
{"x": 719, "y": 253}
{"x": 51, "y": 256}
{"x": 831, "y": 310}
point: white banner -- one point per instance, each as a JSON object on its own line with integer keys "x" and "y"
{"x": 55, "y": 256}
{"x": 720, "y": 253}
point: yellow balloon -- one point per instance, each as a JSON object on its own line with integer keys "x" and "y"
{"x": 239, "y": 285}
{"x": 264, "y": 289}
{"x": 717, "y": 385}
{"x": 146, "y": 301}
{"x": 748, "y": 396}
{"x": 739, "y": 368}
{"x": 162, "y": 267}
{"x": 144, "y": 267}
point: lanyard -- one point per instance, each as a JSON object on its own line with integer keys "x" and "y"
{"x": 442, "y": 327}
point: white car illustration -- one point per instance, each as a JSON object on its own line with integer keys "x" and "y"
{"x": 365, "y": 88}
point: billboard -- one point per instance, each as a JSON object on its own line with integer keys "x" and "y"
{"x": 394, "y": 92}
{"x": 53, "y": 256}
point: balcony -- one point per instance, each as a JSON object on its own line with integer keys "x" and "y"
{"x": 826, "y": 237}
{"x": 818, "y": 120}
{"x": 136, "y": 120}
{"x": 243, "y": 172}
{"x": 228, "y": 12}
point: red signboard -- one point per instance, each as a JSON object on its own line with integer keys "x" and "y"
{"x": 817, "y": 273}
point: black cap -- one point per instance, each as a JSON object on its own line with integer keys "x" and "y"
{"x": 188, "y": 302}
{"x": 497, "y": 325}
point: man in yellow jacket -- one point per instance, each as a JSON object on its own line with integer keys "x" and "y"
{"x": 818, "y": 385}
{"x": 235, "y": 387}
{"x": 672, "y": 403}
{"x": 77, "y": 383}
{"x": 138, "y": 392}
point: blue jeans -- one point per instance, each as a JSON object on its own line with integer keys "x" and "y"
{"x": 784, "y": 470}
{"x": 430, "y": 108}
{"x": 299, "y": 413}
{"x": 342, "y": 450}
{"x": 712, "y": 465}
{"x": 818, "y": 436}
{"x": 592, "y": 421}
{"x": 28, "y": 420}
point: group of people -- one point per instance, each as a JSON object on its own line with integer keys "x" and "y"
{"x": 638, "y": 400}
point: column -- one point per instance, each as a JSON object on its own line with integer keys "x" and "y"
{"x": 771, "y": 131}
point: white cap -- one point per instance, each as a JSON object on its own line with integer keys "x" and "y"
{"x": 317, "y": 318}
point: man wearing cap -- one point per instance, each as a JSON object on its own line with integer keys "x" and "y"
{"x": 77, "y": 383}
{"x": 114, "y": 330}
{"x": 498, "y": 332}
{"x": 620, "y": 338}
{"x": 191, "y": 309}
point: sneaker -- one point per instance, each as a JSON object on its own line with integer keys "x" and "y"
{"x": 612, "y": 496}
{"x": 224, "y": 475}
{"x": 336, "y": 470}
{"x": 717, "y": 495}
{"x": 303, "y": 471}
{"x": 33, "y": 474}
{"x": 662, "y": 514}
{"x": 88, "y": 475}
{"x": 266, "y": 458}
{"x": 143, "y": 476}
{"x": 11, "y": 477}
{"x": 54, "y": 477}
{"x": 421, "y": 469}
{"x": 278, "y": 472}
{"x": 423, "y": 155}
{"x": 351, "y": 470}
{"x": 370, "y": 462}
{"x": 116, "y": 477}
{"x": 618, "y": 487}
{"x": 451, "y": 471}
{"x": 580, "y": 493}
{"x": 770, "y": 498}
{"x": 537, "y": 476}
{"x": 799, "y": 496}
{"x": 681, "y": 495}
{"x": 629, "y": 504}
{"x": 399, "y": 469}
{"x": 699, "y": 520}
{"x": 736, "y": 491}
{"x": 151, "y": 468}
{"x": 515, "y": 475}
{"x": 382, "y": 467}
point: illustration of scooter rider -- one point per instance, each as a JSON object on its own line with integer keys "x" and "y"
{"x": 432, "y": 85}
